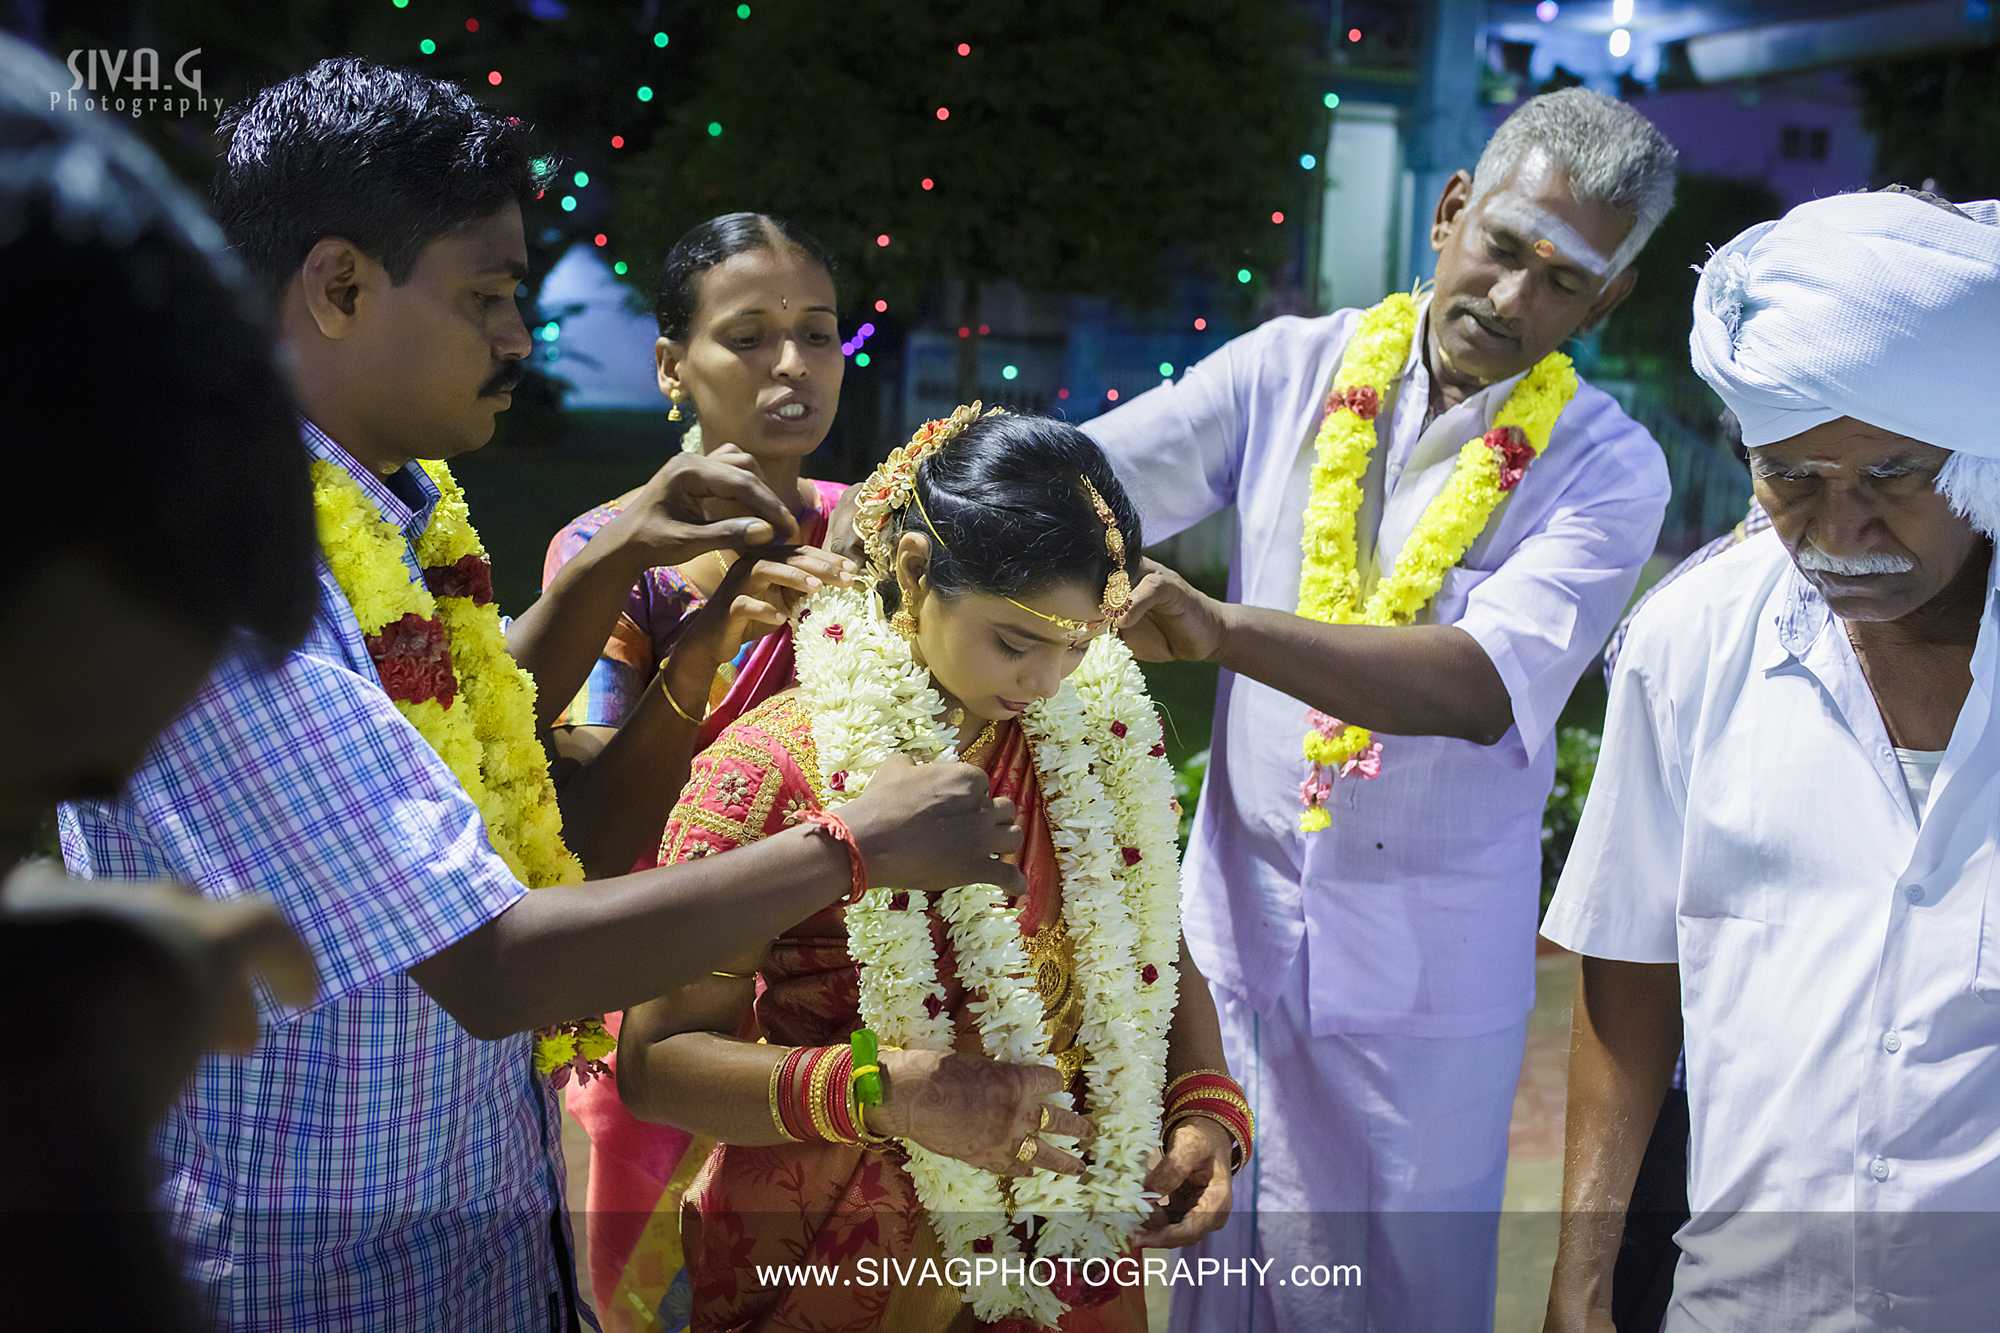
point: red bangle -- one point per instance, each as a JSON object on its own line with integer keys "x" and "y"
{"x": 791, "y": 1099}
{"x": 837, "y": 829}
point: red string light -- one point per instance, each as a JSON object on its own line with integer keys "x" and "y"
{"x": 964, "y": 331}
{"x": 617, "y": 141}
{"x": 601, "y": 239}
{"x": 881, "y": 307}
{"x": 929, "y": 184}
{"x": 985, "y": 329}
{"x": 472, "y": 25}
{"x": 493, "y": 77}
{"x": 1200, "y": 324}
{"x": 1278, "y": 219}
{"x": 944, "y": 113}
{"x": 1112, "y": 394}
{"x": 1354, "y": 34}
{"x": 1062, "y": 393}
{"x": 883, "y": 240}
{"x": 965, "y": 48}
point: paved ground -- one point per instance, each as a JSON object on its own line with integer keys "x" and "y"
{"x": 1534, "y": 1169}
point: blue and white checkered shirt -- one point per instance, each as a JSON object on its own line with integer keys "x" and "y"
{"x": 370, "y": 1165}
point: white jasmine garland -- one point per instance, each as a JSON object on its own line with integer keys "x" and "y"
{"x": 868, "y": 700}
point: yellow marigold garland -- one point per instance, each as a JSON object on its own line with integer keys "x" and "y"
{"x": 486, "y": 734}
{"x": 1329, "y": 577}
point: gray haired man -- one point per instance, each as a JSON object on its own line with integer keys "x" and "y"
{"x": 1374, "y": 979}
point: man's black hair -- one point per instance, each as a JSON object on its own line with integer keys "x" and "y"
{"x": 388, "y": 159}
{"x": 151, "y": 427}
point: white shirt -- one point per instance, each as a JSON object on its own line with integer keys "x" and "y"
{"x": 1417, "y": 909}
{"x": 1839, "y": 956}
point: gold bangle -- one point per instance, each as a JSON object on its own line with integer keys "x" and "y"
{"x": 1187, "y": 1074}
{"x": 865, "y": 1136}
{"x": 1238, "y": 1147}
{"x": 1216, "y": 1094}
{"x": 672, "y": 702}
{"x": 816, "y": 1100}
{"x": 777, "y": 1117}
{"x": 734, "y": 976}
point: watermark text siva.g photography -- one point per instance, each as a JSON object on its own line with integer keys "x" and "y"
{"x": 131, "y": 83}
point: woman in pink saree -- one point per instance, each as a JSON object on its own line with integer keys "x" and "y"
{"x": 749, "y": 343}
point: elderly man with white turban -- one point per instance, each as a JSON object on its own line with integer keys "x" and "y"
{"x": 1792, "y": 849}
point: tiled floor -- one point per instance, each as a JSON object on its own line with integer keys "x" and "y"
{"x": 1534, "y": 1167}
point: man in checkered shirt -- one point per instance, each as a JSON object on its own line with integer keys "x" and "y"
{"x": 387, "y": 1159}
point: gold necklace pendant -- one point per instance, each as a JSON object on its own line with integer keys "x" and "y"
{"x": 981, "y": 743}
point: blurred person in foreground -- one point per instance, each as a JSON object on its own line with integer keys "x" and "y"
{"x": 140, "y": 548}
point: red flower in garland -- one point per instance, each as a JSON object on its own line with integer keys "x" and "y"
{"x": 899, "y": 902}
{"x": 838, "y": 781}
{"x": 1511, "y": 444}
{"x": 835, "y": 632}
{"x": 1149, "y": 974}
{"x": 1159, "y": 749}
{"x": 413, "y": 658}
{"x": 1132, "y": 856}
{"x": 470, "y": 576}
{"x": 1118, "y": 730}
{"x": 1363, "y": 401}
{"x": 933, "y": 1005}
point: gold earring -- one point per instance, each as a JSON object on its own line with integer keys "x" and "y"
{"x": 674, "y": 397}
{"x": 904, "y": 623}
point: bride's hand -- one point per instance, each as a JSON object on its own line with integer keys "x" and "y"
{"x": 1193, "y": 1175}
{"x": 977, "y": 1110}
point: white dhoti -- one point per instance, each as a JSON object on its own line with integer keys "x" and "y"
{"x": 1386, "y": 1152}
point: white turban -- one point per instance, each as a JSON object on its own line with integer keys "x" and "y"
{"x": 1880, "y": 307}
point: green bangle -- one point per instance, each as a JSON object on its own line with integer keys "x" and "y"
{"x": 867, "y": 1071}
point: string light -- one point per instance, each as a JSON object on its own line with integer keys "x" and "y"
{"x": 1062, "y": 393}
{"x": 582, "y": 178}
{"x": 715, "y": 129}
{"x": 881, "y": 307}
{"x": 1243, "y": 275}
{"x": 428, "y": 47}
{"x": 1112, "y": 394}
{"x": 1621, "y": 43}
{"x": 1331, "y": 101}
{"x": 928, "y": 183}
{"x": 867, "y": 330}
{"x": 1354, "y": 34}
{"x": 882, "y": 241}
{"x": 964, "y": 331}
{"x": 861, "y": 359}
{"x": 985, "y": 329}
{"x": 493, "y": 77}
{"x": 1621, "y": 12}
{"x": 400, "y": 4}
{"x": 1199, "y": 323}
{"x": 617, "y": 141}
{"x": 847, "y": 349}
{"x": 1166, "y": 370}
{"x": 1278, "y": 218}
{"x": 601, "y": 239}
{"x": 659, "y": 39}
{"x": 944, "y": 113}
{"x": 965, "y": 48}
{"x": 621, "y": 268}
{"x": 569, "y": 203}
{"x": 472, "y": 25}
{"x": 1308, "y": 161}
{"x": 645, "y": 93}
{"x": 551, "y": 331}
{"x": 1547, "y": 11}
{"x": 743, "y": 11}
{"x": 1010, "y": 372}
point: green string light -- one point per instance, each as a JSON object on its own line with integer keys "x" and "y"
{"x": 743, "y": 11}
{"x": 1332, "y": 100}
{"x": 861, "y": 359}
{"x": 428, "y": 47}
{"x": 1308, "y": 161}
{"x": 1243, "y": 275}
{"x": 645, "y": 92}
{"x": 400, "y": 4}
{"x": 1166, "y": 370}
{"x": 715, "y": 129}
{"x": 620, "y": 268}
{"x": 582, "y": 178}
{"x": 659, "y": 39}
{"x": 1010, "y": 372}
{"x": 569, "y": 206}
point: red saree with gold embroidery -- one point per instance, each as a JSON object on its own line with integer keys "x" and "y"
{"x": 823, "y": 1203}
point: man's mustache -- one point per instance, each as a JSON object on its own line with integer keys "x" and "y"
{"x": 1486, "y": 315}
{"x": 505, "y": 381}
{"x": 1814, "y": 560}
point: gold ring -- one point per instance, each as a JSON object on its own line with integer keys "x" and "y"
{"x": 1026, "y": 1152}
{"x": 1045, "y": 1119}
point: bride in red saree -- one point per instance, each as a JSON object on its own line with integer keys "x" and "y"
{"x": 1016, "y": 529}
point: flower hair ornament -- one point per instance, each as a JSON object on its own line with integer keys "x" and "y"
{"x": 893, "y": 486}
